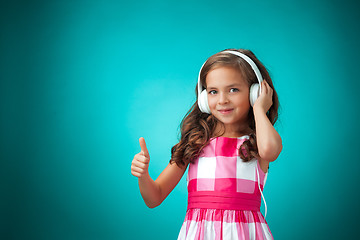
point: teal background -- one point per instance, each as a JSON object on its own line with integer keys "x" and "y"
{"x": 81, "y": 81}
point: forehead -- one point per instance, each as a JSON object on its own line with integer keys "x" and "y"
{"x": 224, "y": 76}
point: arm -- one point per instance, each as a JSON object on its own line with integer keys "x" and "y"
{"x": 154, "y": 192}
{"x": 268, "y": 140}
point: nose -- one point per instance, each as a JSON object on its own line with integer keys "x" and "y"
{"x": 223, "y": 98}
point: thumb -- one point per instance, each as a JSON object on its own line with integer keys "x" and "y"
{"x": 143, "y": 146}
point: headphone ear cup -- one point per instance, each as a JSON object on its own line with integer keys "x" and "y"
{"x": 203, "y": 102}
{"x": 254, "y": 93}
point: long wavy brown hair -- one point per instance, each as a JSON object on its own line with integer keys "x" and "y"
{"x": 198, "y": 128}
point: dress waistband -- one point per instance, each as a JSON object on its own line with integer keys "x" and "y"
{"x": 224, "y": 200}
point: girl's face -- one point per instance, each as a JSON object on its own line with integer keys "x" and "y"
{"x": 228, "y": 98}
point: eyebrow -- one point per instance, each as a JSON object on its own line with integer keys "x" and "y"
{"x": 235, "y": 85}
{"x": 228, "y": 86}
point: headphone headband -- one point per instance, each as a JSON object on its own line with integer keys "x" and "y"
{"x": 241, "y": 55}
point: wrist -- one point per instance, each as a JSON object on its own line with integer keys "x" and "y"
{"x": 144, "y": 176}
{"x": 258, "y": 110}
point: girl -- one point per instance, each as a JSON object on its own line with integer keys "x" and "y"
{"x": 227, "y": 141}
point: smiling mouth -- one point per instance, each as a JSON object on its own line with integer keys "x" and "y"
{"x": 225, "y": 111}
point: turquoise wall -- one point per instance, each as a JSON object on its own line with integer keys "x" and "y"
{"x": 81, "y": 81}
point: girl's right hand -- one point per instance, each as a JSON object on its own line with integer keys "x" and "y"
{"x": 140, "y": 163}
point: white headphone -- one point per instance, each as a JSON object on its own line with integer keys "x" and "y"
{"x": 255, "y": 89}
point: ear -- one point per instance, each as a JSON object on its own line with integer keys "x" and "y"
{"x": 203, "y": 102}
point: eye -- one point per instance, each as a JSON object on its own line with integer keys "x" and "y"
{"x": 212, "y": 92}
{"x": 234, "y": 90}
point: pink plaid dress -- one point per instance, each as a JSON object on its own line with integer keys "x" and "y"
{"x": 223, "y": 195}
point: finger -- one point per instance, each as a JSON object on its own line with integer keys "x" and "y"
{"x": 137, "y": 170}
{"x": 270, "y": 90}
{"x": 268, "y": 86}
{"x": 136, "y": 173}
{"x": 143, "y": 146}
{"x": 139, "y": 164}
{"x": 264, "y": 87}
{"x": 143, "y": 159}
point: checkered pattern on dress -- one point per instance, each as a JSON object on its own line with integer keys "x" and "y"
{"x": 219, "y": 168}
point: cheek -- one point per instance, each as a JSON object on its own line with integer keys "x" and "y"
{"x": 211, "y": 102}
{"x": 244, "y": 102}
{"x": 245, "y": 97}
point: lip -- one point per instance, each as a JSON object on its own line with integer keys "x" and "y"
{"x": 225, "y": 111}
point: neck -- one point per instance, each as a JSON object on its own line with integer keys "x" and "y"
{"x": 232, "y": 132}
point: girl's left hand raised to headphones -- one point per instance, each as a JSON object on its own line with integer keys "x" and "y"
{"x": 264, "y": 101}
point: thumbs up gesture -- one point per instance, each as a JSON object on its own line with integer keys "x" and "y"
{"x": 140, "y": 163}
